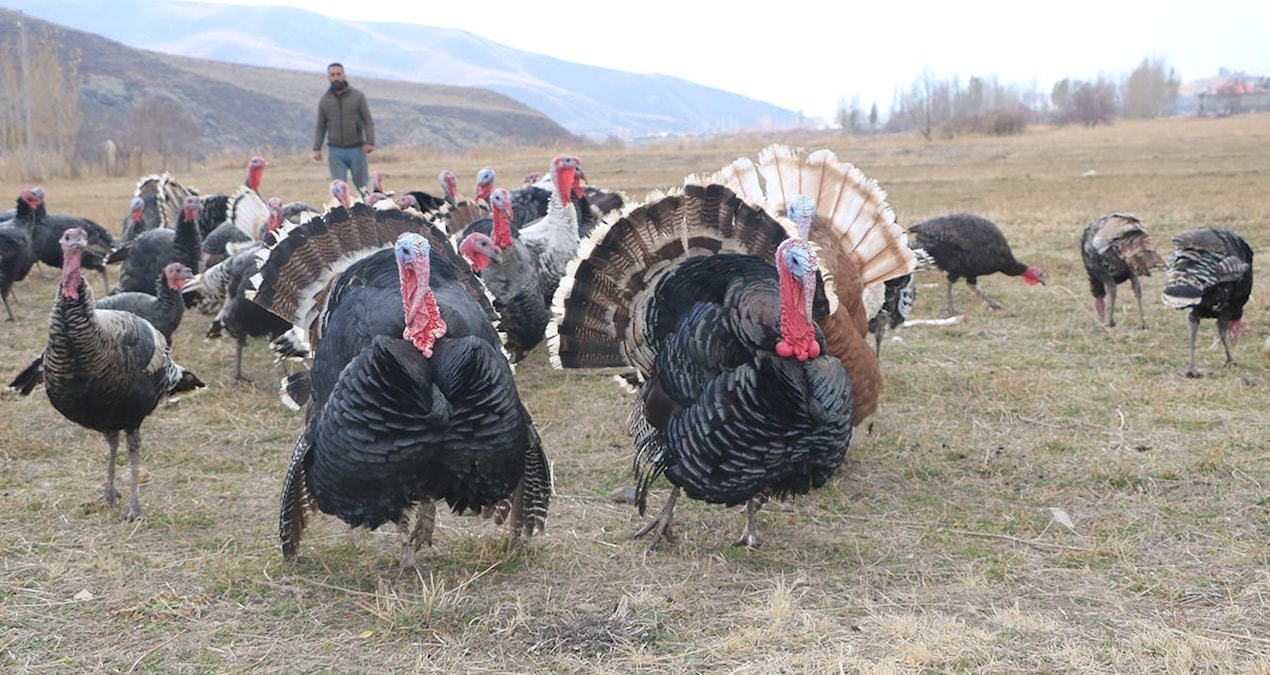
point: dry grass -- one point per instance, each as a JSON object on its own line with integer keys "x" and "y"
{"x": 935, "y": 549}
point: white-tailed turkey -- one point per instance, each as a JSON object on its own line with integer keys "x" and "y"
{"x": 715, "y": 303}
{"x": 1116, "y": 248}
{"x": 859, "y": 243}
{"x": 1210, "y": 273}
{"x": 106, "y": 370}
{"x": 898, "y": 301}
{"x": 412, "y": 400}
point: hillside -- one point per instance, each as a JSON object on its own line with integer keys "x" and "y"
{"x": 587, "y": 100}
{"x": 246, "y": 107}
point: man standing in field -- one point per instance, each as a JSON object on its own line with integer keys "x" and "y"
{"x": 344, "y": 121}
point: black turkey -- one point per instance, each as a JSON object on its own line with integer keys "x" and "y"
{"x": 46, "y": 233}
{"x": 967, "y": 246}
{"x": 860, "y": 245}
{"x": 16, "y": 257}
{"x": 1116, "y": 249}
{"x": 134, "y": 222}
{"x": 412, "y": 399}
{"x": 106, "y": 370}
{"x": 208, "y": 290}
{"x": 1210, "y": 272}
{"x": 740, "y": 400}
{"x": 149, "y": 253}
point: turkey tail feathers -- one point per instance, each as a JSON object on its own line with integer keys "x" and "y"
{"x": 599, "y": 304}
{"x": 297, "y": 502}
{"x": 31, "y": 377}
{"x": 533, "y": 495}
{"x": 851, "y": 210}
{"x": 295, "y": 268}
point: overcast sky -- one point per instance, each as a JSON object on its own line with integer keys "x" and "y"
{"x": 810, "y": 56}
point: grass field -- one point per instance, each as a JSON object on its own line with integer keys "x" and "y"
{"x": 1035, "y": 494}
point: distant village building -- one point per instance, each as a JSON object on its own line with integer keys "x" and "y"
{"x": 1235, "y": 93}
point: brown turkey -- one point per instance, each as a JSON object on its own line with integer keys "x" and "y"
{"x": 106, "y": 370}
{"x": 967, "y": 246}
{"x": 1115, "y": 249}
{"x": 1210, "y": 272}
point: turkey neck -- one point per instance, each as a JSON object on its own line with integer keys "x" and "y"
{"x": 424, "y": 325}
{"x": 798, "y": 334}
{"x": 73, "y": 329}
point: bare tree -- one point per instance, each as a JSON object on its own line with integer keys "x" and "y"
{"x": 52, "y": 105}
{"x": 163, "y": 126}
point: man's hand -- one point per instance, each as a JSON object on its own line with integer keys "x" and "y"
{"x": 317, "y": 155}
{"x": 368, "y": 148}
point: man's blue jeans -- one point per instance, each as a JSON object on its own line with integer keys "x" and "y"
{"x": 342, "y": 161}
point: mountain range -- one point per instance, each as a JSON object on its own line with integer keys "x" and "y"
{"x": 586, "y": 100}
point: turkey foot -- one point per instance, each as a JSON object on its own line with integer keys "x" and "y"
{"x": 416, "y": 530}
{"x": 749, "y": 536}
{"x": 660, "y": 525}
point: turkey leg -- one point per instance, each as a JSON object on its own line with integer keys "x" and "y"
{"x": 660, "y": 525}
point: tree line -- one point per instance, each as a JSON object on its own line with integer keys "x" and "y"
{"x": 41, "y": 118}
{"x": 935, "y": 107}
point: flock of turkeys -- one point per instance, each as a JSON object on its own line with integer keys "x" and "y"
{"x": 737, "y": 308}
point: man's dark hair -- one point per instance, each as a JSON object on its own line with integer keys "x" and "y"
{"x": 337, "y": 64}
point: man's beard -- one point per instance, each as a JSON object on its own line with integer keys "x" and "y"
{"x": 339, "y": 86}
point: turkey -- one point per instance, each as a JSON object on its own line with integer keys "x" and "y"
{"x": 970, "y": 246}
{"x": 412, "y": 399}
{"x": 134, "y": 223}
{"x": 1115, "y": 249}
{"x": 897, "y": 302}
{"x": 106, "y": 370}
{"x": 553, "y": 239}
{"x": 163, "y": 198}
{"x": 458, "y": 212}
{"x": 149, "y": 253}
{"x": 530, "y": 203}
{"x": 1210, "y": 272}
{"x": 859, "y": 243}
{"x": 209, "y": 289}
{"x": 238, "y": 316}
{"x": 46, "y": 233}
{"x": 163, "y": 309}
{"x": 512, "y": 276}
{"x": 739, "y": 398}
{"x": 16, "y": 257}
{"x": 245, "y": 213}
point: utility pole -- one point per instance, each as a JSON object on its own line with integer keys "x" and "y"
{"x": 26, "y": 96}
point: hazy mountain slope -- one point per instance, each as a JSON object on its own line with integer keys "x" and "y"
{"x": 584, "y": 99}
{"x": 247, "y": 107}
